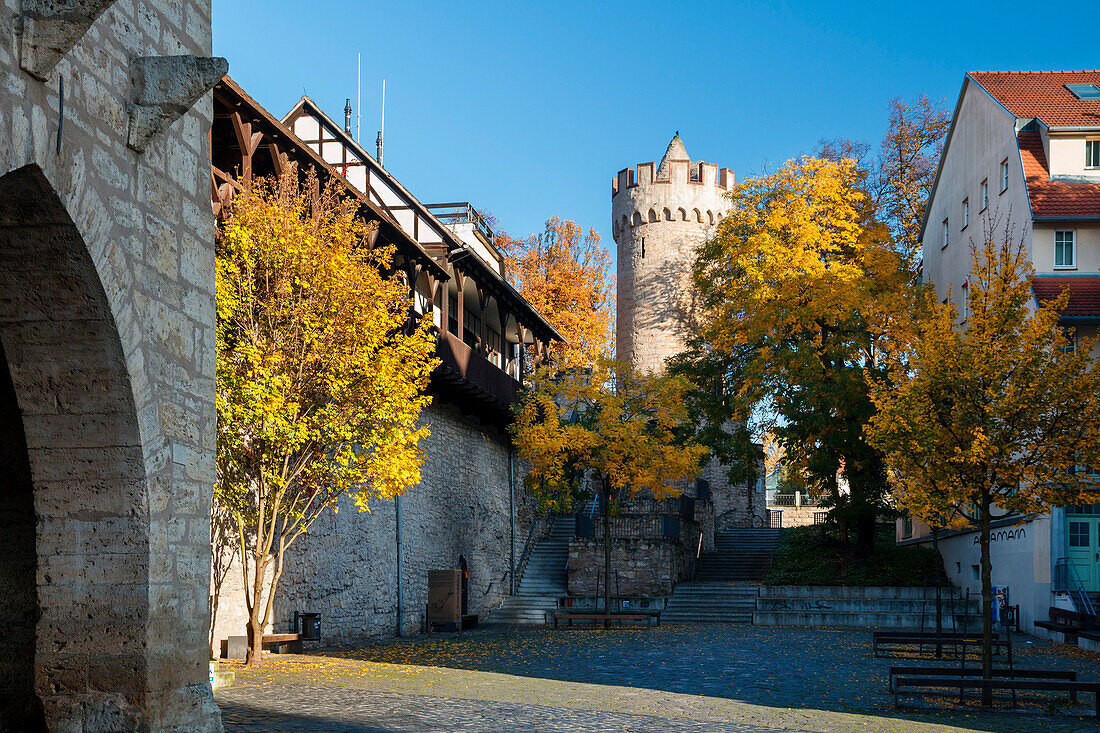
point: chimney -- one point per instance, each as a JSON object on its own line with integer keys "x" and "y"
{"x": 347, "y": 116}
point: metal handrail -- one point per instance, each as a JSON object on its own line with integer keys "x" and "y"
{"x": 1067, "y": 581}
{"x": 462, "y": 212}
{"x": 528, "y": 546}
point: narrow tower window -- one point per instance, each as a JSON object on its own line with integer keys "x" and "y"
{"x": 643, "y": 248}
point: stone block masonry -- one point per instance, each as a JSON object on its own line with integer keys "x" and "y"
{"x": 345, "y": 568}
{"x": 640, "y": 568}
{"x": 107, "y": 409}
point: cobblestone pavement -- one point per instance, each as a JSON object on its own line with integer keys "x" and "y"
{"x": 344, "y": 710}
{"x": 673, "y": 678}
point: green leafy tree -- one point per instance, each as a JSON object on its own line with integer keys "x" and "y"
{"x": 797, "y": 290}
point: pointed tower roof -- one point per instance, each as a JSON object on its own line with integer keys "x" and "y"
{"x": 675, "y": 151}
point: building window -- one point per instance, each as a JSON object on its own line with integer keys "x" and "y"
{"x": 1092, "y": 153}
{"x": 472, "y": 327}
{"x": 452, "y": 314}
{"x": 906, "y": 527}
{"x": 1079, "y": 534}
{"x": 1071, "y": 343}
{"x": 1064, "y": 246}
{"x": 1004, "y": 175}
{"x": 966, "y": 213}
{"x": 966, "y": 300}
{"x": 945, "y": 234}
{"x": 985, "y": 194}
{"x": 494, "y": 339}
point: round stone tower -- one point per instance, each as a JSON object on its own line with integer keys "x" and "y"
{"x": 658, "y": 220}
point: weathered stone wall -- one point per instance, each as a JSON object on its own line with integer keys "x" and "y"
{"x": 346, "y": 567}
{"x": 739, "y": 504}
{"x": 107, "y": 323}
{"x": 640, "y": 568}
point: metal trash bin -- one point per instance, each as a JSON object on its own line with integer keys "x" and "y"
{"x": 308, "y": 626}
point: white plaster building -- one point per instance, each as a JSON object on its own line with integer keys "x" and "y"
{"x": 1023, "y": 151}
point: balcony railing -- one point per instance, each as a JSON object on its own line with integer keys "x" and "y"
{"x": 632, "y": 526}
{"x": 473, "y": 373}
{"x": 795, "y": 499}
{"x": 461, "y": 213}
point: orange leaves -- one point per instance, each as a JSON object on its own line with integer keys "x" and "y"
{"x": 992, "y": 408}
{"x": 622, "y": 426}
{"x": 565, "y": 275}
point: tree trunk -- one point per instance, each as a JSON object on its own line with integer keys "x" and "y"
{"x": 865, "y": 533}
{"x": 255, "y": 638}
{"x": 939, "y": 592}
{"x": 255, "y": 614}
{"x": 987, "y": 603}
{"x": 606, "y": 553}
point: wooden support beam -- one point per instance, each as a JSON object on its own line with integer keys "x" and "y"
{"x": 460, "y": 303}
{"x": 248, "y": 142}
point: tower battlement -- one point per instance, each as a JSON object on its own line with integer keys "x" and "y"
{"x": 682, "y": 172}
{"x": 660, "y": 215}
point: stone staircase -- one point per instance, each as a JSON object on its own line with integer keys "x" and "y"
{"x": 544, "y": 580}
{"x": 710, "y": 603}
{"x": 740, "y": 554}
{"x": 724, "y": 588}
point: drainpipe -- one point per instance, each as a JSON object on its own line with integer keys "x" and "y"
{"x": 512, "y": 513}
{"x": 400, "y": 605}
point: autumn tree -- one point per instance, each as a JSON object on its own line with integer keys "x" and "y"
{"x": 899, "y": 178}
{"x": 608, "y": 428}
{"x": 991, "y": 417}
{"x": 797, "y": 289}
{"x": 320, "y": 379}
{"x": 565, "y": 274}
{"x": 906, "y": 169}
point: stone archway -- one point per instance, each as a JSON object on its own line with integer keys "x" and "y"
{"x": 77, "y": 526}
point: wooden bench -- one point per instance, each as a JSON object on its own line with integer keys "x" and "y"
{"x": 1071, "y": 624}
{"x": 922, "y": 640}
{"x": 1014, "y": 685}
{"x": 292, "y": 642}
{"x": 887, "y": 635}
{"x": 1036, "y": 674}
{"x": 650, "y": 617}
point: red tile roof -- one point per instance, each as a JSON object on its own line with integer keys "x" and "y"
{"x": 1084, "y": 294}
{"x": 1053, "y": 198}
{"x": 1043, "y": 94}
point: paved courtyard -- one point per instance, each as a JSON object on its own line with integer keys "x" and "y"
{"x": 726, "y": 679}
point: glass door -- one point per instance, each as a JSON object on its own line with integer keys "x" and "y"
{"x": 1084, "y": 550}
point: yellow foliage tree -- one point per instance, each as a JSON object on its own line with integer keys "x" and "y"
{"x": 990, "y": 417}
{"x": 623, "y": 431}
{"x": 320, "y": 379}
{"x": 565, "y": 275}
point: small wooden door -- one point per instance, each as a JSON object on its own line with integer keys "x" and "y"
{"x": 1084, "y": 550}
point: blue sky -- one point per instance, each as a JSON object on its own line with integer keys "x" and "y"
{"x": 528, "y": 110}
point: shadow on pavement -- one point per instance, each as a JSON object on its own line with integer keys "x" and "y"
{"x": 808, "y": 669}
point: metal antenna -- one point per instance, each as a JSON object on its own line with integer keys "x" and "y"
{"x": 382, "y": 127}
{"x": 358, "y": 93}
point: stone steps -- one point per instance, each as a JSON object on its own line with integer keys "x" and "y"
{"x": 710, "y": 603}
{"x": 544, "y": 579}
{"x": 523, "y": 610}
{"x": 740, "y": 554}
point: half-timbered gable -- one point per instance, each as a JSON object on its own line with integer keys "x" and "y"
{"x": 366, "y": 573}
